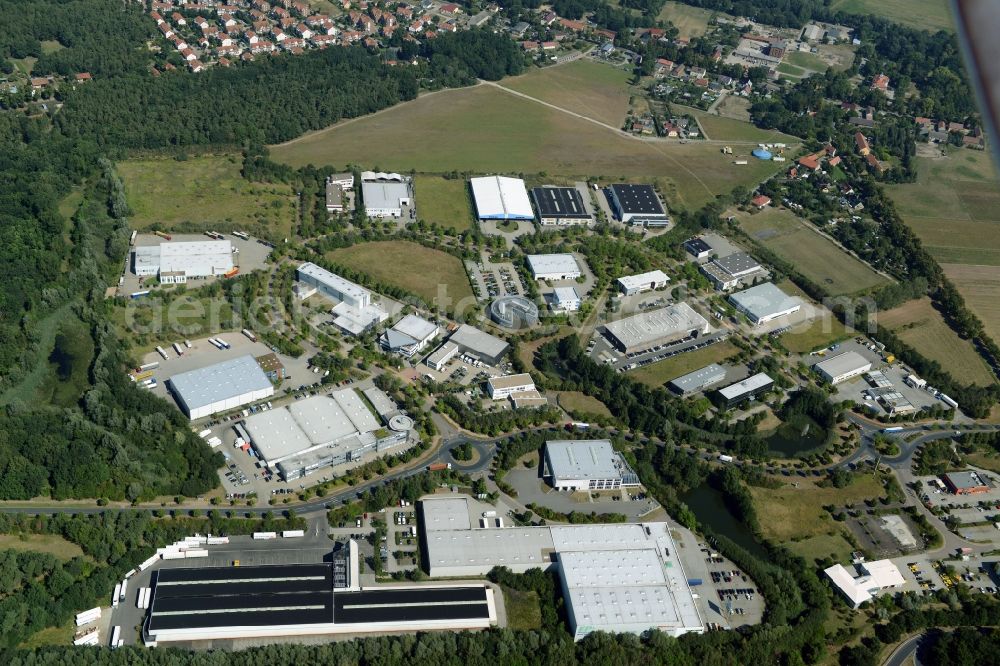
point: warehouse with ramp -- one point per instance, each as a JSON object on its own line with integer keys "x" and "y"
{"x": 175, "y": 263}
{"x": 647, "y": 330}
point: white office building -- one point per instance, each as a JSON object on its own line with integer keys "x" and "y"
{"x": 868, "y": 580}
{"x": 503, "y": 387}
{"x": 354, "y": 313}
{"x": 554, "y": 266}
{"x": 636, "y": 284}
{"x": 565, "y": 299}
{"x": 589, "y": 464}
{"x": 409, "y": 336}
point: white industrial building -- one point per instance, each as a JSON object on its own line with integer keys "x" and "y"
{"x": 554, "y": 266}
{"x": 646, "y": 330}
{"x": 747, "y": 389}
{"x": 385, "y": 194}
{"x": 636, "y": 284}
{"x": 618, "y": 578}
{"x": 869, "y": 580}
{"x": 409, "y": 336}
{"x": 319, "y": 431}
{"x": 501, "y": 198}
{"x": 354, "y": 312}
{"x": 698, "y": 380}
{"x": 765, "y": 303}
{"x": 175, "y": 263}
{"x": 565, "y": 299}
{"x": 843, "y": 366}
{"x": 503, "y": 387}
{"x": 220, "y": 387}
{"x": 588, "y": 464}
{"x": 440, "y": 357}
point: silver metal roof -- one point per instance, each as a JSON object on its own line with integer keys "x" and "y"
{"x": 219, "y": 381}
{"x": 764, "y": 301}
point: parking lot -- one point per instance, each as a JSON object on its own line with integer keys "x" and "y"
{"x": 492, "y": 280}
{"x": 634, "y": 503}
{"x": 203, "y": 353}
{"x": 727, "y": 597}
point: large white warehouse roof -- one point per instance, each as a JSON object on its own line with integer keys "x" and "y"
{"x": 219, "y": 382}
{"x": 501, "y": 198}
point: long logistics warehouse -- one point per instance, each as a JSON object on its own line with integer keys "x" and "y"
{"x": 219, "y": 603}
{"x": 622, "y": 578}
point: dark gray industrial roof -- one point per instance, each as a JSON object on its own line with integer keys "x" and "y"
{"x": 638, "y": 199}
{"x": 559, "y": 202}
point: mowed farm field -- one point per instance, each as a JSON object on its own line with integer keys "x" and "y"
{"x": 814, "y": 255}
{"x": 722, "y": 128}
{"x": 486, "y": 130}
{"x": 932, "y": 15}
{"x": 690, "y": 21}
{"x": 444, "y": 202}
{"x": 424, "y": 271}
{"x": 204, "y": 192}
{"x": 922, "y": 327}
{"x": 955, "y": 209}
{"x": 590, "y": 88}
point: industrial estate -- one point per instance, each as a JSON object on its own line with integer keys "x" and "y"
{"x": 484, "y": 332}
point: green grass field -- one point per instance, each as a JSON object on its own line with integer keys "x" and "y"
{"x": 41, "y": 543}
{"x": 576, "y": 402}
{"x": 954, "y": 207}
{"x": 426, "y": 272}
{"x": 61, "y": 636}
{"x": 932, "y": 15}
{"x": 444, "y": 202}
{"x": 486, "y": 130}
{"x": 523, "y": 611}
{"x": 51, "y": 46}
{"x": 817, "y": 333}
{"x": 815, "y": 256}
{"x": 795, "y": 512}
{"x": 590, "y": 88}
{"x": 791, "y": 70}
{"x": 148, "y": 323}
{"x": 834, "y": 546}
{"x": 919, "y": 325}
{"x": 690, "y": 21}
{"x": 721, "y": 128}
{"x": 205, "y": 192}
{"x": 804, "y": 60}
{"x": 657, "y": 374}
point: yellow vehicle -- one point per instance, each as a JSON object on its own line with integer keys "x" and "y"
{"x": 236, "y": 563}
{"x": 890, "y": 359}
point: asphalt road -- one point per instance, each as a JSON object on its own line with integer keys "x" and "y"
{"x": 904, "y": 651}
